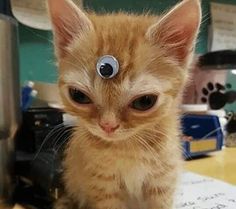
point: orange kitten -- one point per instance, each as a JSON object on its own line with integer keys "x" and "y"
{"x": 122, "y": 76}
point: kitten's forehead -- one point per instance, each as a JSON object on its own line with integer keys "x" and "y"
{"x": 146, "y": 83}
{"x": 123, "y": 37}
{"x": 129, "y": 86}
{"x": 80, "y": 78}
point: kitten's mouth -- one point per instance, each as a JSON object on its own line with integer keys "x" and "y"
{"x": 108, "y": 136}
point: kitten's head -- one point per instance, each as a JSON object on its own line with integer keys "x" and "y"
{"x": 153, "y": 55}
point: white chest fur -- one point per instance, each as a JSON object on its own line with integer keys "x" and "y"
{"x": 134, "y": 178}
{"x": 134, "y": 173}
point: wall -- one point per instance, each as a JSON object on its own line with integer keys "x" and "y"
{"x": 36, "y": 55}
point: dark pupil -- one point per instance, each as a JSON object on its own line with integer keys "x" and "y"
{"x": 144, "y": 103}
{"x": 78, "y": 96}
{"x": 106, "y": 70}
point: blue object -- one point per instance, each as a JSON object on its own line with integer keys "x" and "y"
{"x": 26, "y": 94}
{"x": 206, "y": 134}
{"x": 29, "y": 101}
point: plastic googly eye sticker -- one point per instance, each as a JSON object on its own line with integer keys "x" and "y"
{"x": 107, "y": 66}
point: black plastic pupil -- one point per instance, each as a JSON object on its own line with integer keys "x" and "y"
{"x": 106, "y": 70}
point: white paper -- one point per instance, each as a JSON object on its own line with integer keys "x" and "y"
{"x": 223, "y": 32}
{"x": 200, "y": 192}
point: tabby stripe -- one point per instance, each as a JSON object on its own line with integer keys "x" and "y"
{"x": 107, "y": 196}
{"x": 155, "y": 191}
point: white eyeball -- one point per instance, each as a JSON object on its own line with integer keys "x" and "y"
{"x": 107, "y": 66}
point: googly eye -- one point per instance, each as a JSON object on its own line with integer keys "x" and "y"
{"x": 107, "y": 66}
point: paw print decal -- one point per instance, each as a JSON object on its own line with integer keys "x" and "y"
{"x": 217, "y": 96}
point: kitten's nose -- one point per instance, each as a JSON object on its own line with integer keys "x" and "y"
{"x": 109, "y": 127}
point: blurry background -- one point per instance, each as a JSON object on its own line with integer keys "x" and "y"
{"x": 36, "y": 50}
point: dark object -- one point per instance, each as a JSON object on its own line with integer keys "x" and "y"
{"x": 5, "y": 7}
{"x": 231, "y": 125}
{"x": 31, "y": 197}
{"x": 230, "y": 140}
{"x": 106, "y": 70}
{"x": 44, "y": 170}
{"x": 217, "y": 95}
{"x": 214, "y": 96}
{"x": 221, "y": 60}
{"x": 39, "y": 166}
{"x": 37, "y": 123}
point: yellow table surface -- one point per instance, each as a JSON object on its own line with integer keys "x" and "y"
{"x": 220, "y": 165}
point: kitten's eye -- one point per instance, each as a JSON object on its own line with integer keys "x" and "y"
{"x": 107, "y": 66}
{"x": 144, "y": 103}
{"x": 78, "y": 96}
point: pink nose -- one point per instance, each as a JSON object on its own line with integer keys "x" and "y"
{"x": 109, "y": 127}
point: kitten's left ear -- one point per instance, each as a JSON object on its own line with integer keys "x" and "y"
{"x": 68, "y": 22}
{"x": 177, "y": 31}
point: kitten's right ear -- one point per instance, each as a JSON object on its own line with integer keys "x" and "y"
{"x": 68, "y": 22}
{"x": 176, "y": 32}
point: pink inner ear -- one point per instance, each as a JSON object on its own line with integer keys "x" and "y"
{"x": 65, "y": 33}
{"x": 68, "y": 22}
{"x": 180, "y": 42}
{"x": 63, "y": 37}
{"x": 177, "y": 30}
